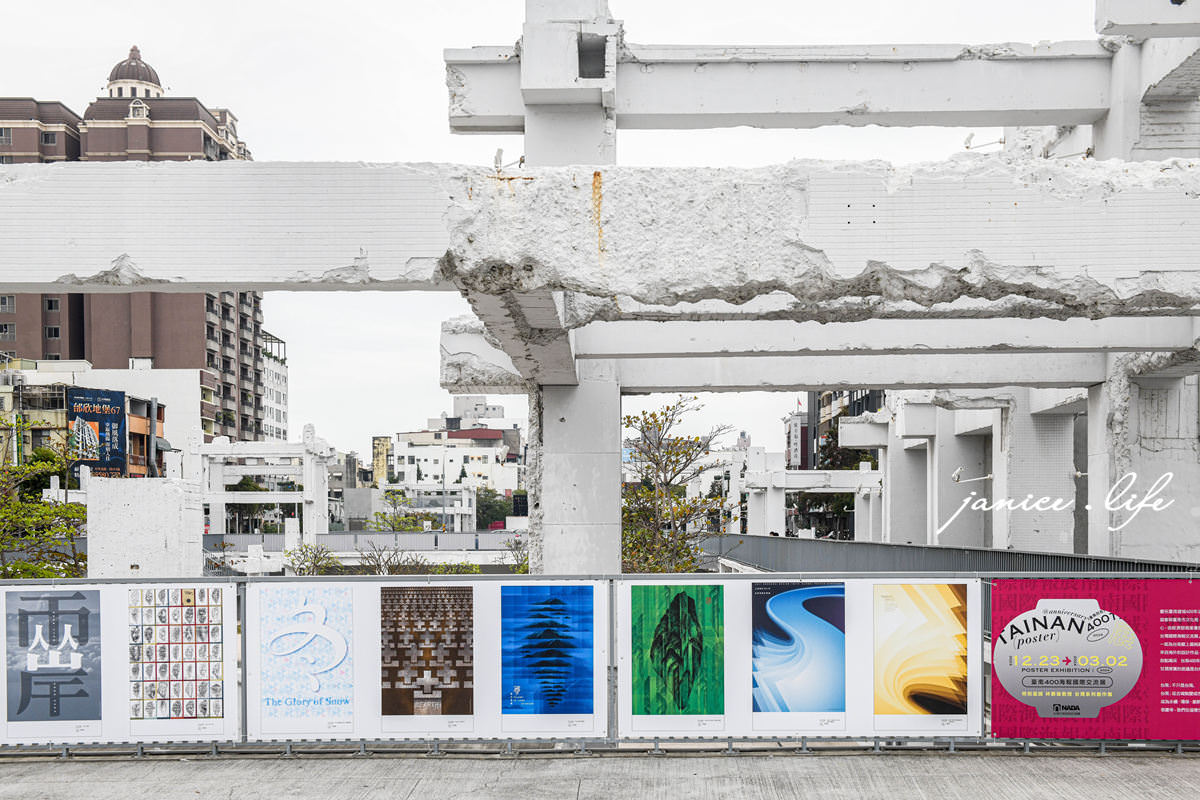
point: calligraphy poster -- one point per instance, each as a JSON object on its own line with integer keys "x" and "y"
{"x": 306, "y": 663}
{"x": 52, "y": 641}
{"x": 427, "y": 639}
{"x": 547, "y": 650}
{"x": 1096, "y": 659}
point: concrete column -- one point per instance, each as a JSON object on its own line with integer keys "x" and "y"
{"x": 862, "y": 517}
{"x": 1100, "y": 462}
{"x": 560, "y": 135}
{"x": 876, "y": 516}
{"x": 216, "y": 488}
{"x": 949, "y": 452}
{"x": 576, "y": 476}
{"x": 1001, "y": 447}
{"x": 904, "y": 481}
{"x": 1041, "y": 467}
{"x": 1116, "y": 134}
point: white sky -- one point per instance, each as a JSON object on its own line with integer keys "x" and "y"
{"x": 364, "y": 81}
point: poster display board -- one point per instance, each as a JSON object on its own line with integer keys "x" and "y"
{"x": 749, "y": 658}
{"x": 119, "y": 663}
{"x": 1096, "y": 659}
{"x": 426, "y": 660}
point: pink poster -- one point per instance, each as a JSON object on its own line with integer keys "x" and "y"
{"x": 1096, "y": 659}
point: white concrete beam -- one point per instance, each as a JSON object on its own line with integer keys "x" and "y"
{"x": 811, "y": 373}
{"x": 857, "y": 432}
{"x": 686, "y": 339}
{"x": 674, "y": 87}
{"x": 815, "y": 480}
{"x": 237, "y": 225}
{"x": 973, "y": 237}
{"x": 1146, "y": 19}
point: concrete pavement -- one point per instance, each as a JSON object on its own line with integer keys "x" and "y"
{"x": 636, "y": 777}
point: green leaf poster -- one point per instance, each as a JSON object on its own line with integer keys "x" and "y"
{"x": 678, "y": 648}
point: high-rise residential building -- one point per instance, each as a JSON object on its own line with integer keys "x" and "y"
{"x": 275, "y": 387}
{"x": 218, "y": 333}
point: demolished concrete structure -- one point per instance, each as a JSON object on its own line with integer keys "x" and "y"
{"x": 981, "y": 281}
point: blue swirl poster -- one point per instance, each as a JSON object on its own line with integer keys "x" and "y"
{"x": 307, "y": 671}
{"x": 799, "y": 647}
{"x": 547, "y": 647}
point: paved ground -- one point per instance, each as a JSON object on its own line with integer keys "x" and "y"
{"x": 1005, "y": 776}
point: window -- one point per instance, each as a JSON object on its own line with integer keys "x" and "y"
{"x": 8, "y": 332}
{"x": 8, "y": 303}
{"x": 51, "y": 357}
{"x": 120, "y": 92}
{"x": 5, "y": 135}
{"x": 6, "y": 159}
{"x": 49, "y": 138}
{"x": 52, "y": 304}
{"x": 52, "y": 331}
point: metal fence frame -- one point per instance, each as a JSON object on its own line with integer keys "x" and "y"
{"x": 612, "y": 743}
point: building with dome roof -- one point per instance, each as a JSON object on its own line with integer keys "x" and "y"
{"x": 218, "y": 333}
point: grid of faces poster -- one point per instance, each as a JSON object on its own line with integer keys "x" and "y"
{"x": 176, "y": 653}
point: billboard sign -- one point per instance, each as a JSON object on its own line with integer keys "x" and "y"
{"x": 1095, "y": 659}
{"x": 97, "y": 429}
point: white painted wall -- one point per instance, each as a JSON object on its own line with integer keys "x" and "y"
{"x": 147, "y": 528}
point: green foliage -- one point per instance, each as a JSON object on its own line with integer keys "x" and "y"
{"x": 311, "y": 559}
{"x": 659, "y": 522}
{"x": 38, "y": 538}
{"x": 516, "y": 555}
{"x": 462, "y": 568}
{"x": 399, "y": 516}
{"x": 491, "y": 506}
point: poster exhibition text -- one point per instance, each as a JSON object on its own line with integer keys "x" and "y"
{"x": 530, "y": 658}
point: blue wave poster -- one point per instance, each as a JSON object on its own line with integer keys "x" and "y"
{"x": 547, "y": 661}
{"x": 799, "y": 647}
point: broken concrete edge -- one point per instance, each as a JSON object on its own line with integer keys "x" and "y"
{"x": 563, "y": 229}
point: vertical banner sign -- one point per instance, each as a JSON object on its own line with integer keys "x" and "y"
{"x": 1096, "y": 659}
{"x": 53, "y": 645}
{"x": 96, "y": 423}
{"x": 306, "y": 668}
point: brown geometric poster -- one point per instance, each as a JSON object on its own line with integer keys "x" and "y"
{"x": 427, "y": 636}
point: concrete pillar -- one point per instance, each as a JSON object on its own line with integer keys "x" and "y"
{"x": 576, "y": 476}
{"x": 904, "y": 481}
{"x": 1001, "y": 445}
{"x": 562, "y": 135}
{"x": 143, "y": 529}
{"x": 948, "y": 453}
{"x": 1041, "y": 467}
{"x": 1116, "y": 134}
{"x": 862, "y": 517}
{"x": 1100, "y": 465}
{"x": 216, "y": 488}
{"x": 876, "y": 515}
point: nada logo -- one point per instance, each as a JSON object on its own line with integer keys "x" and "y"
{"x": 1060, "y": 708}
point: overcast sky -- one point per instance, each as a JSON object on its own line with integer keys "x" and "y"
{"x": 364, "y": 81}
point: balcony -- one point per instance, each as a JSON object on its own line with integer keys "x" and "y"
{"x": 212, "y": 317}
